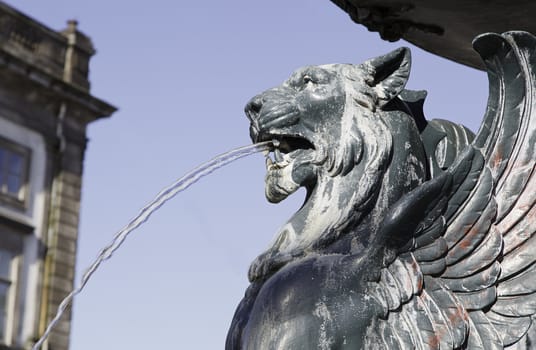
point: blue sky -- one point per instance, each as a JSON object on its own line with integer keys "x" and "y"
{"x": 180, "y": 73}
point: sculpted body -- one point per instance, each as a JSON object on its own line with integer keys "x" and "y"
{"x": 333, "y": 139}
{"x": 398, "y": 244}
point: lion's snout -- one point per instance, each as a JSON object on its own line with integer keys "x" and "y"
{"x": 253, "y": 108}
{"x": 275, "y": 108}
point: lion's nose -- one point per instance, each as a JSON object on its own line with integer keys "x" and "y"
{"x": 253, "y": 108}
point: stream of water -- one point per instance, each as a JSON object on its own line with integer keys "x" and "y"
{"x": 144, "y": 214}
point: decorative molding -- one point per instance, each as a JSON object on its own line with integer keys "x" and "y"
{"x": 387, "y": 20}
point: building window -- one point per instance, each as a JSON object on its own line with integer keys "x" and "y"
{"x": 14, "y": 160}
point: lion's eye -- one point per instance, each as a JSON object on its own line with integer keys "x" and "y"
{"x": 307, "y": 79}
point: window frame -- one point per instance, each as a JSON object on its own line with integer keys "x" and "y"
{"x": 19, "y": 201}
{"x": 10, "y": 281}
{"x": 11, "y": 241}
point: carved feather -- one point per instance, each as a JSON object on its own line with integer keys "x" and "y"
{"x": 433, "y": 268}
{"x": 403, "y": 280}
{"x": 441, "y": 324}
{"x": 433, "y": 251}
{"x": 399, "y": 326}
{"x": 482, "y": 334}
{"x": 412, "y": 266}
{"x": 524, "y": 227}
{"x": 519, "y": 259}
{"x": 457, "y": 138}
{"x": 379, "y": 295}
{"x": 451, "y": 310}
{"x": 478, "y": 300}
{"x": 472, "y": 209}
{"x": 517, "y": 305}
{"x": 522, "y": 213}
{"x": 465, "y": 173}
{"x": 476, "y": 234}
{"x": 509, "y": 193}
{"x": 510, "y": 329}
{"x": 421, "y": 320}
{"x": 498, "y": 55}
{"x": 392, "y": 289}
{"x": 485, "y": 255}
{"x": 430, "y": 234}
{"x": 480, "y": 280}
{"x": 389, "y": 337}
{"x": 522, "y": 283}
{"x": 517, "y": 173}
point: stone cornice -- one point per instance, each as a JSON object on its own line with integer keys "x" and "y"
{"x": 95, "y": 107}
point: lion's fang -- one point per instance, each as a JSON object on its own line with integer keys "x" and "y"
{"x": 278, "y": 156}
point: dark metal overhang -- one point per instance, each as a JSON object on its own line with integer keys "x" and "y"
{"x": 445, "y": 28}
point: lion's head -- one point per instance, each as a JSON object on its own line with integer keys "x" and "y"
{"x": 341, "y": 132}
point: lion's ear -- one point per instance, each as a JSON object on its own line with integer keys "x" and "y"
{"x": 388, "y": 74}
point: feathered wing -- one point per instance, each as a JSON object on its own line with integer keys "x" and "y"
{"x": 459, "y": 252}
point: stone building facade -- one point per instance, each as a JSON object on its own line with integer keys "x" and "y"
{"x": 45, "y": 107}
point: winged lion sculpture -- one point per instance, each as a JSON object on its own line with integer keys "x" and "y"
{"x": 414, "y": 234}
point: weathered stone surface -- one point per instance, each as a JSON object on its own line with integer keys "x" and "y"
{"x": 67, "y": 271}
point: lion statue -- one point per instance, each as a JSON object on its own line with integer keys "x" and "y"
{"x": 373, "y": 259}
{"x": 332, "y": 127}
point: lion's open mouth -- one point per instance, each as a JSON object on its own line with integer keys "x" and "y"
{"x": 284, "y": 149}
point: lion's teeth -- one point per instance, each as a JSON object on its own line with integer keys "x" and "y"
{"x": 275, "y": 143}
{"x": 277, "y": 161}
{"x": 284, "y": 163}
{"x": 278, "y": 155}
